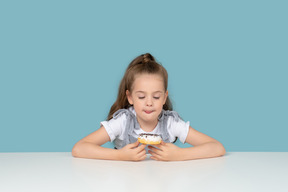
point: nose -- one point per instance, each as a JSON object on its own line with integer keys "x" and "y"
{"x": 149, "y": 101}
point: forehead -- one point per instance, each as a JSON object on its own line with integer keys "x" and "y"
{"x": 148, "y": 83}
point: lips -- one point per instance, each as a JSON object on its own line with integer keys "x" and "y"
{"x": 148, "y": 112}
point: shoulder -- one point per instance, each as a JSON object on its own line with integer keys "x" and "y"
{"x": 117, "y": 124}
{"x": 176, "y": 123}
{"x": 170, "y": 115}
{"x": 121, "y": 116}
{"x": 178, "y": 127}
{"x": 174, "y": 119}
{"x": 122, "y": 113}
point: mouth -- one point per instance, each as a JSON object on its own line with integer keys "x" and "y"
{"x": 148, "y": 112}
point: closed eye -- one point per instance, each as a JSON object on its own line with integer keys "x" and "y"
{"x": 144, "y": 97}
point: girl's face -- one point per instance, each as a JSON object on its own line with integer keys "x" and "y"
{"x": 148, "y": 97}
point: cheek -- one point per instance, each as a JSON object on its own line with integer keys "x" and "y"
{"x": 164, "y": 99}
{"x": 138, "y": 102}
{"x": 159, "y": 103}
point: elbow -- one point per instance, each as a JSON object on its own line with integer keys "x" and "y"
{"x": 220, "y": 149}
{"x": 76, "y": 150}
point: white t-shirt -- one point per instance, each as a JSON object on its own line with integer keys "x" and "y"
{"x": 115, "y": 128}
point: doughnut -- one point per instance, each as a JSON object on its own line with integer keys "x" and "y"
{"x": 148, "y": 138}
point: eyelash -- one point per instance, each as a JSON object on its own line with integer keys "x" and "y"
{"x": 153, "y": 97}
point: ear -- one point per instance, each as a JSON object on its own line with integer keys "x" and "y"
{"x": 129, "y": 97}
{"x": 165, "y": 97}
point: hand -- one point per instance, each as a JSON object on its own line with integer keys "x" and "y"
{"x": 165, "y": 152}
{"x": 133, "y": 152}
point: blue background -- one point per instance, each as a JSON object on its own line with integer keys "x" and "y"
{"x": 61, "y": 63}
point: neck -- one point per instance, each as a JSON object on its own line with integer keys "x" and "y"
{"x": 148, "y": 126}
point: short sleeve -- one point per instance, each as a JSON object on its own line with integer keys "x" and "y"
{"x": 178, "y": 128}
{"x": 115, "y": 127}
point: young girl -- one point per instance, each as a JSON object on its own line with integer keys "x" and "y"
{"x": 143, "y": 106}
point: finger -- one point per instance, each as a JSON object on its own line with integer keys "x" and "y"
{"x": 155, "y": 156}
{"x": 141, "y": 154}
{"x": 141, "y": 148}
{"x": 152, "y": 147}
{"x": 161, "y": 145}
{"x": 154, "y": 153}
{"x": 155, "y": 150}
{"x": 132, "y": 145}
{"x": 143, "y": 157}
{"x": 143, "y": 151}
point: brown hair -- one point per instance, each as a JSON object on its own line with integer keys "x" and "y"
{"x": 144, "y": 63}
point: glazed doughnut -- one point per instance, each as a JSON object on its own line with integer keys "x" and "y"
{"x": 148, "y": 138}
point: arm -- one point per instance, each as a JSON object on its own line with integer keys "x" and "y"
{"x": 90, "y": 147}
{"x": 204, "y": 147}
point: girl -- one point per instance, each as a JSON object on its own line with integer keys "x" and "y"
{"x": 143, "y": 106}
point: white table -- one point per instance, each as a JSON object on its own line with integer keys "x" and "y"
{"x": 53, "y": 172}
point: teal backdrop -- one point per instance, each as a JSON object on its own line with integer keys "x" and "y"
{"x": 61, "y": 63}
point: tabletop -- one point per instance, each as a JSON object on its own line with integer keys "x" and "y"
{"x": 59, "y": 171}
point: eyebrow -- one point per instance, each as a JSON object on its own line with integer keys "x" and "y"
{"x": 145, "y": 92}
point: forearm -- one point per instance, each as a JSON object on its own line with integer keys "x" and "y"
{"x": 206, "y": 150}
{"x": 93, "y": 151}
